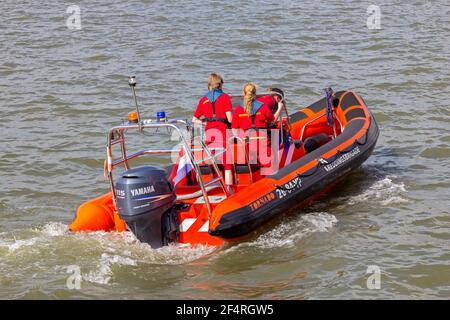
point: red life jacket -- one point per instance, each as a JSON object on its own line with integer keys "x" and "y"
{"x": 212, "y": 97}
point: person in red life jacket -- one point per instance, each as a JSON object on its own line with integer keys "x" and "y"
{"x": 273, "y": 99}
{"x": 215, "y": 109}
{"x": 253, "y": 114}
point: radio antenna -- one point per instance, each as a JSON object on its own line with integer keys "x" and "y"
{"x": 132, "y": 83}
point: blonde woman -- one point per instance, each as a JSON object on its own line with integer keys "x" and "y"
{"x": 214, "y": 110}
{"x": 252, "y": 113}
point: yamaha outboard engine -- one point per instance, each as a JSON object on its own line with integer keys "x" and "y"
{"x": 143, "y": 196}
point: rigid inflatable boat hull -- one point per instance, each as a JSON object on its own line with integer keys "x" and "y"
{"x": 242, "y": 221}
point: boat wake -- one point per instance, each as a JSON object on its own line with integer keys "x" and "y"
{"x": 16, "y": 240}
{"x": 385, "y": 192}
{"x": 292, "y": 230}
{"x": 379, "y": 190}
{"x": 97, "y": 254}
{"x": 104, "y": 273}
{"x": 100, "y": 254}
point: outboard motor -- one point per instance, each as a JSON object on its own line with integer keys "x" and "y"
{"x": 143, "y": 196}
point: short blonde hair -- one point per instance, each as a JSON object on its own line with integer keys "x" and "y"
{"x": 215, "y": 81}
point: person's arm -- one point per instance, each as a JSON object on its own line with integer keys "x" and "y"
{"x": 277, "y": 113}
{"x": 228, "y": 107}
{"x": 229, "y": 116}
{"x": 198, "y": 113}
{"x": 196, "y": 120}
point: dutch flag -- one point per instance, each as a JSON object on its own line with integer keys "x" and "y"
{"x": 184, "y": 167}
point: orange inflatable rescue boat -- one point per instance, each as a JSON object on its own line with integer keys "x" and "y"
{"x": 188, "y": 202}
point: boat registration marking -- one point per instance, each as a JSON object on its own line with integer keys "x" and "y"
{"x": 289, "y": 187}
{"x": 345, "y": 157}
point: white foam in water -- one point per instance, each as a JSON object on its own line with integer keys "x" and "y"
{"x": 104, "y": 273}
{"x": 143, "y": 254}
{"x": 320, "y": 222}
{"x": 15, "y": 245}
{"x": 51, "y": 229}
{"x": 184, "y": 253}
{"x": 114, "y": 249}
{"x": 385, "y": 191}
{"x": 290, "y": 231}
{"x": 55, "y": 229}
{"x": 127, "y": 242}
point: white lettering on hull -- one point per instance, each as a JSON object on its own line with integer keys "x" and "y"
{"x": 344, "y": 158}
